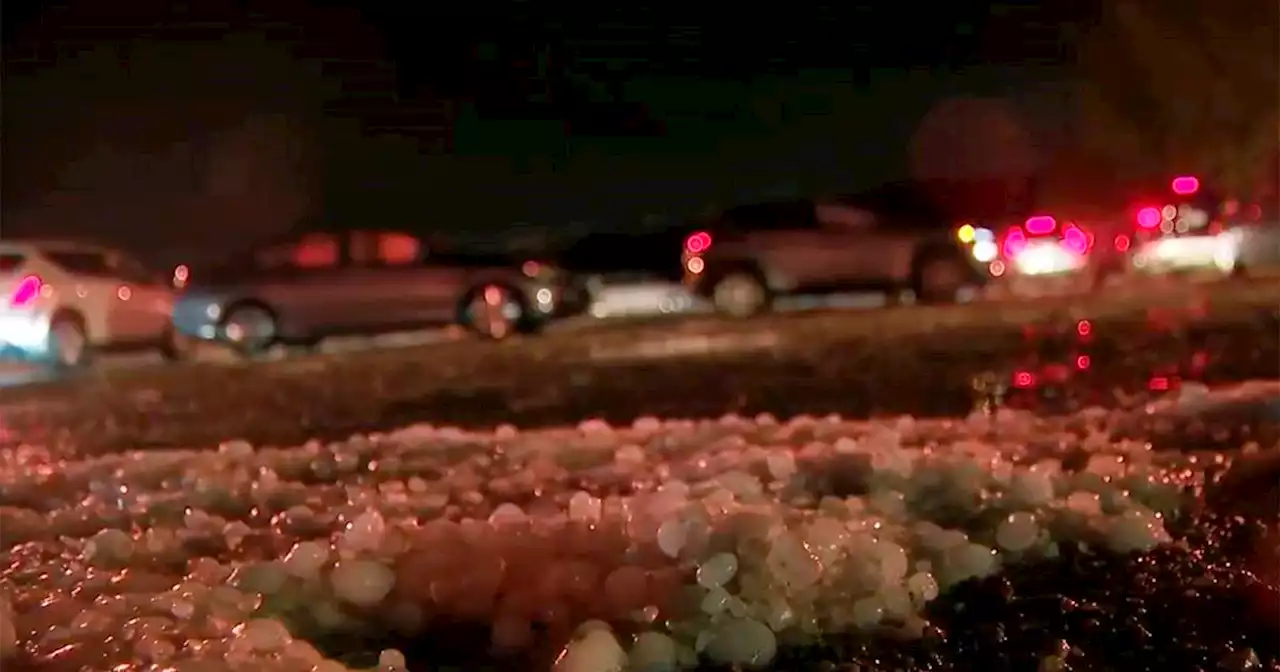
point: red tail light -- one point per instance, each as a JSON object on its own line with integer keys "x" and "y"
{"x": 1075, "y": 239}
{"x": 1149, "y": 218}
{"x": 1014, "y": 242}
{"x": 1041, "y": 225}
{"x": 1185, "y": 185}
{"x": 27, "y": 291}
{"x": 698, "y": 243}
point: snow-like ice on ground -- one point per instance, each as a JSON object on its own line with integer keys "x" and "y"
{"x": 644, "y": 547}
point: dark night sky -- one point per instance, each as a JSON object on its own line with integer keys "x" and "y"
{"x": 476, "y": 114}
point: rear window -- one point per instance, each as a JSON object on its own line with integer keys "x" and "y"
{"x": 81, "y": 263}
{"x": 9, "y": 262}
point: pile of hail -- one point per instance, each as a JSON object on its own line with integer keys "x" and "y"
{"x": 661, "y": 545}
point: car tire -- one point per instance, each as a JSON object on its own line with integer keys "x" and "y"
{"x": 739, "y": 294}
{"x": 67, "y": 345}
{"x": 496, "y": 311}
{"x": 176, "y": 346}
{"x": 250, "y": 327}
{"x": 939, "y": 278}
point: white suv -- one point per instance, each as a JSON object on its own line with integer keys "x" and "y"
{"x": 66, "y": 300}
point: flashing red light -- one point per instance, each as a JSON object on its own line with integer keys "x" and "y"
{"x": 1024, "y": 379}
{"x": 1014, "y": 242}
{"x": 1158, "y": 384}
{"x": 1122, "y": 243}
{"x": 27, "y": 291}
{"x": 1149, "y": 218}
{"x": 1185, "y": 185}
{"x": 1041, "y": 225}
{"x": 698, "y": 243}
{"x": 1075, "y": 240}
{"x": 1084, "y": 327}
{"x": 1083, "y": 362}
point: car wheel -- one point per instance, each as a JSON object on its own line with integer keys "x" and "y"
{"x": 494, "y": 311}
{"x": 176, "y": 346}
{"x": 250, "y": 328}
{"x": 67, "y": 346}
{"x": 940, "y": 279}
{"x": 740, "y": 294}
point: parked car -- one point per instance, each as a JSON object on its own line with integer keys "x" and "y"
{"x": 1197, "y": 230}
{"x": 630, "y": 275}
{"x": 1054, "y": 252}
{"x": 67, "y": 300}
{"x": 744, "y": 258}
{"x": 315, "y": 283}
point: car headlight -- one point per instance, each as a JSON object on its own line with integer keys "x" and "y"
{"x": 984, "y": 250}
{"x": 1045, "y": 260}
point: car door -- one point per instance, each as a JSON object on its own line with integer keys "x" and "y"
{"x": 857, "y": 248}
{"x": 306, "y": 280}
{"x": 143, "y": 306}
{"x": 783, "y": 238}
{"x": 403, "y": 285}
{"x": 92, "y": 287}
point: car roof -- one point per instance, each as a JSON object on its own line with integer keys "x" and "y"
{"x": 26, "y": 246}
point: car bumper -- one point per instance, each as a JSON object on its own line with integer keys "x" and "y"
{"x": 198, "y": 318}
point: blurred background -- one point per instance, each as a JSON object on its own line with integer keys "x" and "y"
{"x": 186, "y": 131}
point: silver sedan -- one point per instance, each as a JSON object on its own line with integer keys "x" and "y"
{"x": 315, "y": 284}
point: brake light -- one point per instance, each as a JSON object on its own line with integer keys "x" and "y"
{"x": 1149, "y": 218}
{"x": 1122, "y": 243}
{"x": 27, "y": 291}
{"x": 1041, "y": 225}
{"x": 1075, "y": 240}
{"x": 698, "y": 243}
{"x": 1185, "y": 185}
{"x": 1014, "y": 242}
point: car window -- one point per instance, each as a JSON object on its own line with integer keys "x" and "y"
{"x": 10, "y": 262}
{"x": 81, "y": 262}
{"x": 386, "y": 248}
{"x": 311, "y": 251}
{"x": 845, "y": 218}
{"x": 129, "y": 268}
{"x": 398, "y": 249}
